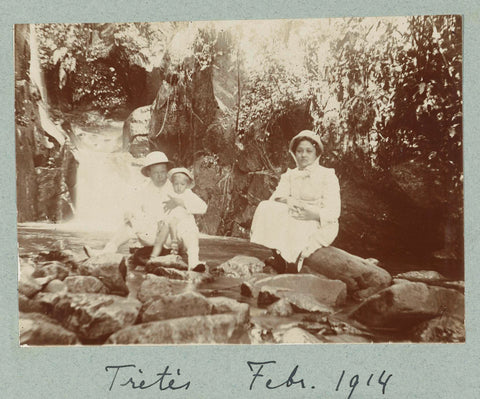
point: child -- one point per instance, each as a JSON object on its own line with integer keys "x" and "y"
{"x": 179, "y": 222}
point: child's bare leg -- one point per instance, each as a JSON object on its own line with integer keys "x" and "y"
{"x": 161, "y": 237}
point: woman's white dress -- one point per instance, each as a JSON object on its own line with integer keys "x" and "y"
{"x": 275, "y": 227}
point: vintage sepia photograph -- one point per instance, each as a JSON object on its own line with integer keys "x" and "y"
{"x": 294, "y": 181}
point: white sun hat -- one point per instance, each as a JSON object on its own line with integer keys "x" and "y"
{"x": 154, "y": 158}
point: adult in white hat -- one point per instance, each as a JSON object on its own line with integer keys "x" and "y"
{"x": 302, "y": 213}
{"x": 149, "y": 206}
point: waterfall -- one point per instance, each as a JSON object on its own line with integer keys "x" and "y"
{"x": 105, "y": 179}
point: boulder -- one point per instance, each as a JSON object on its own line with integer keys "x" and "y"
{"x": 156, "y": 287}
{"x": 38, "y": 329}
{"x": 95, "y": 316}
{"x": 280, "y": 308}
{"x": 54, "y": 270}
{"x": 28, "y": 305}
{"x": 327, "y": 292}
{"x": 363, "y": 278}
{"x": 241, "y": 266}
{"x": 210, "y": 329}
{"x": 56, "y": 286}
{"x": 175, "y": 306}
{"x": 110, "y": 269}
{"x": 298, "y": 301}
{"x": 223, "y": 304}
{"x": 86, "y": 284}
{"x": 440, "y": 329}
{"x": 403, "y": 305}
{"x": 28, "y": 286}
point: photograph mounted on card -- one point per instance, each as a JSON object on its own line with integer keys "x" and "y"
{"x": 240, "y": 182}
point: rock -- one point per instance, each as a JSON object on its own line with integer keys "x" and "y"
{"x": 95, "y": 316}
{"x": 156, "y": 287}
{"x": 440, "y": 329}
{"x": 53, "y": 270}
{"x": 422, "y": 276}
{"x": 175, "y": 306}
{"x": 170, "y": 261}
{"x": 28, "y": 286}
{"x": 281, "y": 308}
{"x": 328, "y": 292}
{"x": 135, "y": 132}
{"x": 362, "y": 278}
{"x": 60, "y": 254}
{"x": 299, "y": 302}
{"x": 210, "y": 329}
{"x": 223, "y": 304}
{"x": 38, "y": 329}
{"x": 27, "y": 305}
{"x": 86, "y": 284}
{"x": 110, "y": 269}
{"x": 406, "y": 304}
{"x": 297, "y": 335}
{"x": 56, "y": 286}
{"x": 241, "y": 266}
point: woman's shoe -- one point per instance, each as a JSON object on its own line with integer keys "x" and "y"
{"x": 279, "y": 264}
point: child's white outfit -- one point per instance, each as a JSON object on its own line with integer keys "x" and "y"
{"x": 187, "y": 229}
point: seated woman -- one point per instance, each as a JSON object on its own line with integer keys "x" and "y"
{"x": 302, "y": 214}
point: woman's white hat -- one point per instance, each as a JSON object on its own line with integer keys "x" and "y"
{"x": 185, "y": 171}
{"x": 154, "y": 158}
{"x": 307, "y": 134}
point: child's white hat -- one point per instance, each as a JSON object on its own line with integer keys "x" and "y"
{"x": 184, "y": 171}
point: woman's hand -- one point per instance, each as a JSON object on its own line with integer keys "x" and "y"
{"x": 172, "y": 203}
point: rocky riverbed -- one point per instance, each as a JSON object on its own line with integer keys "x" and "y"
{"x": 66, "y": 298}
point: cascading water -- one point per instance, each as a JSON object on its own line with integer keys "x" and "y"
{"x": 104, "y": 180}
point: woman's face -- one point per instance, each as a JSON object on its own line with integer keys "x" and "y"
{"x": 305, "y": 154}
{"x": 158, "y": 174}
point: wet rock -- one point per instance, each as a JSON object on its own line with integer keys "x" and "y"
{"x": 175, "y": 306}
{"x": 299, "y": 302}
{"x": 110, "y": 269}
{"x": 281, "y": 308}
{"x": 60, "y": 254}
{"x": 403, "y": 305}
{"x": 297, "y": 335}
{"x": 53, "y": 270}
{"x": 325, "y": 291}
{"x": 210, "y": 329}
{"x": 170, "y": 261}
{"x": 95, "y": 316}
{"x": 241, "y": 266}
{"x": 440, "y": 329}
{"x": 363, "y": 278}
{"x": 156, "y": 287}
{"x": 86, "y": 284}
{"x": 38, "y": 329}
{"x": 56, "y": 286}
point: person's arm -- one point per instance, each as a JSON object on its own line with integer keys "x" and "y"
{"x": 193, "y": 203}
{"x": 330, "y": 210}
